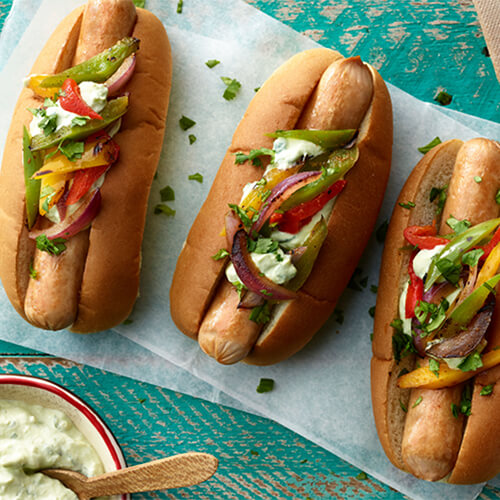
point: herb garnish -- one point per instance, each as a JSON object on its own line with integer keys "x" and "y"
{"x": 362, "y": 476}
{"x": 232, "y": 87}
{"x": 440, "y": 195}
{"x": 403, "y": 406}
{"x": 167, "y": 194}
{"x": 55, "y": 246}
{"x": 196, "y": 177}
{"x": 253, "y": 156}
{"x": 212, "y": 62}
{"x": 434, "y": 367}
{"x": 408, "y": 205}
{"x": 428, "y": 147}
{"x": 192, "y": 138}
{"x": 338, "y": 314}
{"x": 449, "y": 270}
{"x": 381, "y": 231}
{"x": 79, "y": 121}
{"x": 245, "y": 219}
{"x": 471, "y": 362}
{"x": 471, "y": 258}
{"x": 486, "y": 390}
{"x": 221, "y": 254}
{"x": 417, "y": 402}
{"x": 186, "y": 123}
{"x": 478, "y": 179}
{"x": 402, "y": 344}
{"x": 73, "y": 150}
{"x": 261, "y": 314}
{"x": 458, "y": 226}
{"x": 161, "y": 208}
{"x": 180, "y": 4}
{"x": 32, "y": 271}
{"x": 265, "y": 385}
{"x": 443, "y": 98}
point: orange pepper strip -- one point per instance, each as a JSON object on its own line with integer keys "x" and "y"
{"x": 425, "y": 379}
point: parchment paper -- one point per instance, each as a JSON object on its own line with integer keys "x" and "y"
{"x": 323, "y": 392}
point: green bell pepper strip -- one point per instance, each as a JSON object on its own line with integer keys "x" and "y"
{"x": 113, "y": 110}
{"x": 466, "y": 310}
{"x": 97, "y": 69}
{"x": 305, "y": 264}
{"x": 327, "y": 139}
{"x": 32, "y": 162}
{"x": 339, "y": 162}
{"x": 457, "y": 246}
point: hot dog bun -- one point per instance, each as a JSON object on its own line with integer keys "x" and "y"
{"x": 112, "y": 265}
{"x": 476, "y": 458}
{"x": 278, "y": 106}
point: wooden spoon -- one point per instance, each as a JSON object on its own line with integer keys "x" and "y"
{"x": 181, "y": 470}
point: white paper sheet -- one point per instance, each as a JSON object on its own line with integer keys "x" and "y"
{"x": 323, "y": 392}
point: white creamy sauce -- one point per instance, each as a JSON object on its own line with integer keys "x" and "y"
{"x": 276, "y": 266}
{"x": 94, "y": 94}
{"x": 33, "y": 438}
{"x": 423, "y": 260}
{"x": 289, "y": 151}
{"x": 402, "y": 311}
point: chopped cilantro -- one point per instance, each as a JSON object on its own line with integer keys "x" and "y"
{"x": 245, "y": 219}
{"x": 232, "y": 87}
{"x": 428, "y": 147}
{"x": 196, "y": 177}
{"x": 265, "y": 245}
{"x": 79, "y": 121}
{"x": 443, "y": 98}
{"x": 357, "y": 281}
{"x": 256, "y": 89}
{"x": 180, "y": 4}
{"x": 253, "y": 156}
{"x": 362, "y": 476}
{"x": 478, "y": 179}
{"x": 466, "y": 400}
{"x": 192, "y": 138}
{"x": 454, "y": 410}
{"x": 371, "y": 311}
{"x": 471, "y": 362}
{"x": 458, "y": 226}
{"x": 73, "y": 150}
{"x": 265, "y": 385}
{"x": 140, "y": 3}
{"x": 486, "y": 390}
{"x": 440, "y": 195}
{"x": 417, "y": 402}
{"x": 471, "y": 258}
{"x": 434, "y": 367}
{"x": 161, "y": 208}
{"x": 221, "y": 254}
{"x": 403, "y": 406}
{"x": 167, "y": 194}
{"x": 186, "y": 123}
{"x": 212, "y": 62}
{"x": 449, "y": 270}
{"x": 55, "y": 246}
{"x": 33, "y": 272}
{"x": 261, "y": 314}
{"x": 408, "y": 205}
{"x": 382, "y": 231}
{"x": 402, "y": 344}
{"x": 128, "y": 321}
{"x": 485, "y": 51}
{"x": 497, "y": 197}
{"x": 373, "y": 288}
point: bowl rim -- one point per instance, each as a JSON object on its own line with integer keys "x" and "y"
{"x": 79, "y": 404}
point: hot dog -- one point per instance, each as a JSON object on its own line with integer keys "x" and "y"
{"x": 93, "y": 283}
{"x": 264, "y": 318}
{"x": 440, "y": 323}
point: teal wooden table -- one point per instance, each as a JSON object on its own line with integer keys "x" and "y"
{"x": 422, "y": 47}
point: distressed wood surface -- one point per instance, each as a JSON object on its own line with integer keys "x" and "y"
{"x": 421, "y": 46}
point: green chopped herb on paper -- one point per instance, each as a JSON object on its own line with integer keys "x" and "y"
{"x": 186, "y": 123}
{"x": 232, "y": 87}
{"x": 265, "y": 385}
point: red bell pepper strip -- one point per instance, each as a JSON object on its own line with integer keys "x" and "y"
{"x": 491, "y": 244}
{"x": 71, "y": 100}
{"x": 415, "y": 290}
{"x": 82, "y": 182}
{"x": 294, "y": 219}
{"x": 424, "y": 237}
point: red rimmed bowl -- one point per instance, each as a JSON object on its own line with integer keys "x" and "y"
{"x": 42, "y": 392}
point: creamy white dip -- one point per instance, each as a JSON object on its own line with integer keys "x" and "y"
{"x": 33, "y": 438}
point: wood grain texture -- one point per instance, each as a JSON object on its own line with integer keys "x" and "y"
{"x": 421, "y": 46}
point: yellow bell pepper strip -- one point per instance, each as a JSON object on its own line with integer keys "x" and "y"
{"x": 327, "y": 139}
{"x": 113, "y": 110}
{"x": 97, "y": 69}
{"x": 490, "y": 266}
{"x": 305, "y": 264}
{"x": 32, "y": 162}
{"x": 446, "y": 377}
{"x": 457, "y": 246}
{"x": 52, "y": 188}
{"x": 97, "y": 152}
{"x": 34, "y": 84}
